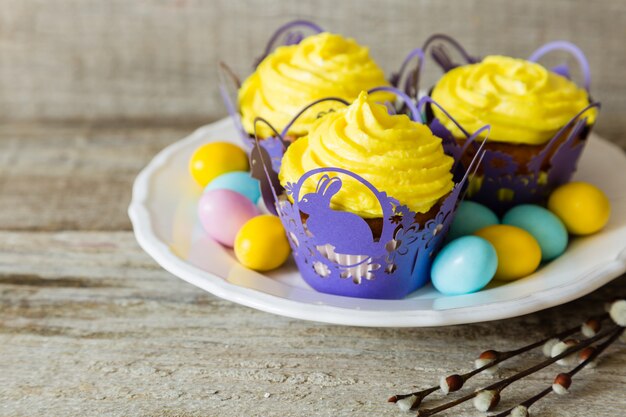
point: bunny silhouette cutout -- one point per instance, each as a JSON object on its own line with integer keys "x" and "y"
{"x": 347, "y": 232}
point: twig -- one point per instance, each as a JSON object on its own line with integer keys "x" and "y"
{"x": 487, "y": 359}
{"x": 494, "y": 389}
{"x": 564, "y": 379}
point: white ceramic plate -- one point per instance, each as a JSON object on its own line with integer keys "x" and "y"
{"x": 163, "y": 213}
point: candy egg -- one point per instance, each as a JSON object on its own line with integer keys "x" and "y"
{"x": 261, "y": 244}
{"x": 583, "y": 208}
{"x": 545, "y": 227}
{"x": 214, "y": 159}
{"x": 469, "y": 218}
{"x": 464, "y": 265}
{"x": 239, "y": 181}
{"x": 223, "y": 212}
{"x": 518, "y": 252}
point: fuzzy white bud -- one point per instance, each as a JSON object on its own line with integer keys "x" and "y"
{"x": 561, "y": 384}
{"x": 486, "y": 400}
{"x": 547, "y": 347}
{"x": 443, "y": 385}
{"x": 520, "y": 411}
{"x": 590, "y": 328}
{"x": 618, "y": 312}
{"x": 484, "y": 359}
{"x": 562, "y": 347}
{"x": 479, "y": 363}
{"x": 405, "y": 404}
{"x": 451, "y": 383}
{"x": 559, "y": 389}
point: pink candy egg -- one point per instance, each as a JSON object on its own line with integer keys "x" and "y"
{"x": 223, "y": 212}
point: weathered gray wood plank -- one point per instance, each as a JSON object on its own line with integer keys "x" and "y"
{"x": 57, "y": 177}
{"x": 155, "y": 60}
{"x": 90, "y": 325}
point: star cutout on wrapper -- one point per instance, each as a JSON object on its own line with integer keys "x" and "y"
{"x": 395, "y": 219}
{"x": 289, "y": 188}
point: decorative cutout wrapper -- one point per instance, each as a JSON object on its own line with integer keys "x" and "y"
{"x": 504, "y": 180}
{"x": 290, "y": 34}
{"x": 339, "y": 252}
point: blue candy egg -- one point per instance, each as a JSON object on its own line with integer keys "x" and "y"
{"x": 471, "y": 217}
{"x": 543, "y": 225}
{"x": 464, "y": 265}
{"x": 238, "y": 181}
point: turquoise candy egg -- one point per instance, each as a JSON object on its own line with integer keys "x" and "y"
{"x": 471, "y": 217}
{"x": 464, "y": 265}
{"x": 543, "y": 225}
{"x": 238, "y": 181}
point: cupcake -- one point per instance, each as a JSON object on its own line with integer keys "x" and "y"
{"x": 293, "y": 76}
{"x": 368, "y": 198}
{"x": 539, "y": 122}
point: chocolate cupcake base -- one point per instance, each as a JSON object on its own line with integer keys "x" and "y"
{"x": 512, "y": 174}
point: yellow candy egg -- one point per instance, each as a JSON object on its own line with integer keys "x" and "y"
{"x": 518, "y": 252}
{"x": 582, "y": 207}
{"x": 261, "y": 243}
{"x": 214, "y": 159}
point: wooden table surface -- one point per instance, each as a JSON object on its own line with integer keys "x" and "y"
{"x": 91, "y": 326}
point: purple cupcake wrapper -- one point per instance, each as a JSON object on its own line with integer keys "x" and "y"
{"x": 336, "y": 251}
{"x": 530, "y": 183}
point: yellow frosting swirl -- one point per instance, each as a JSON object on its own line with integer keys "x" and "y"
{"x": 323, "y": 65}
{"x": 521, "y": 100}
{"x": 398, "y": 156}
